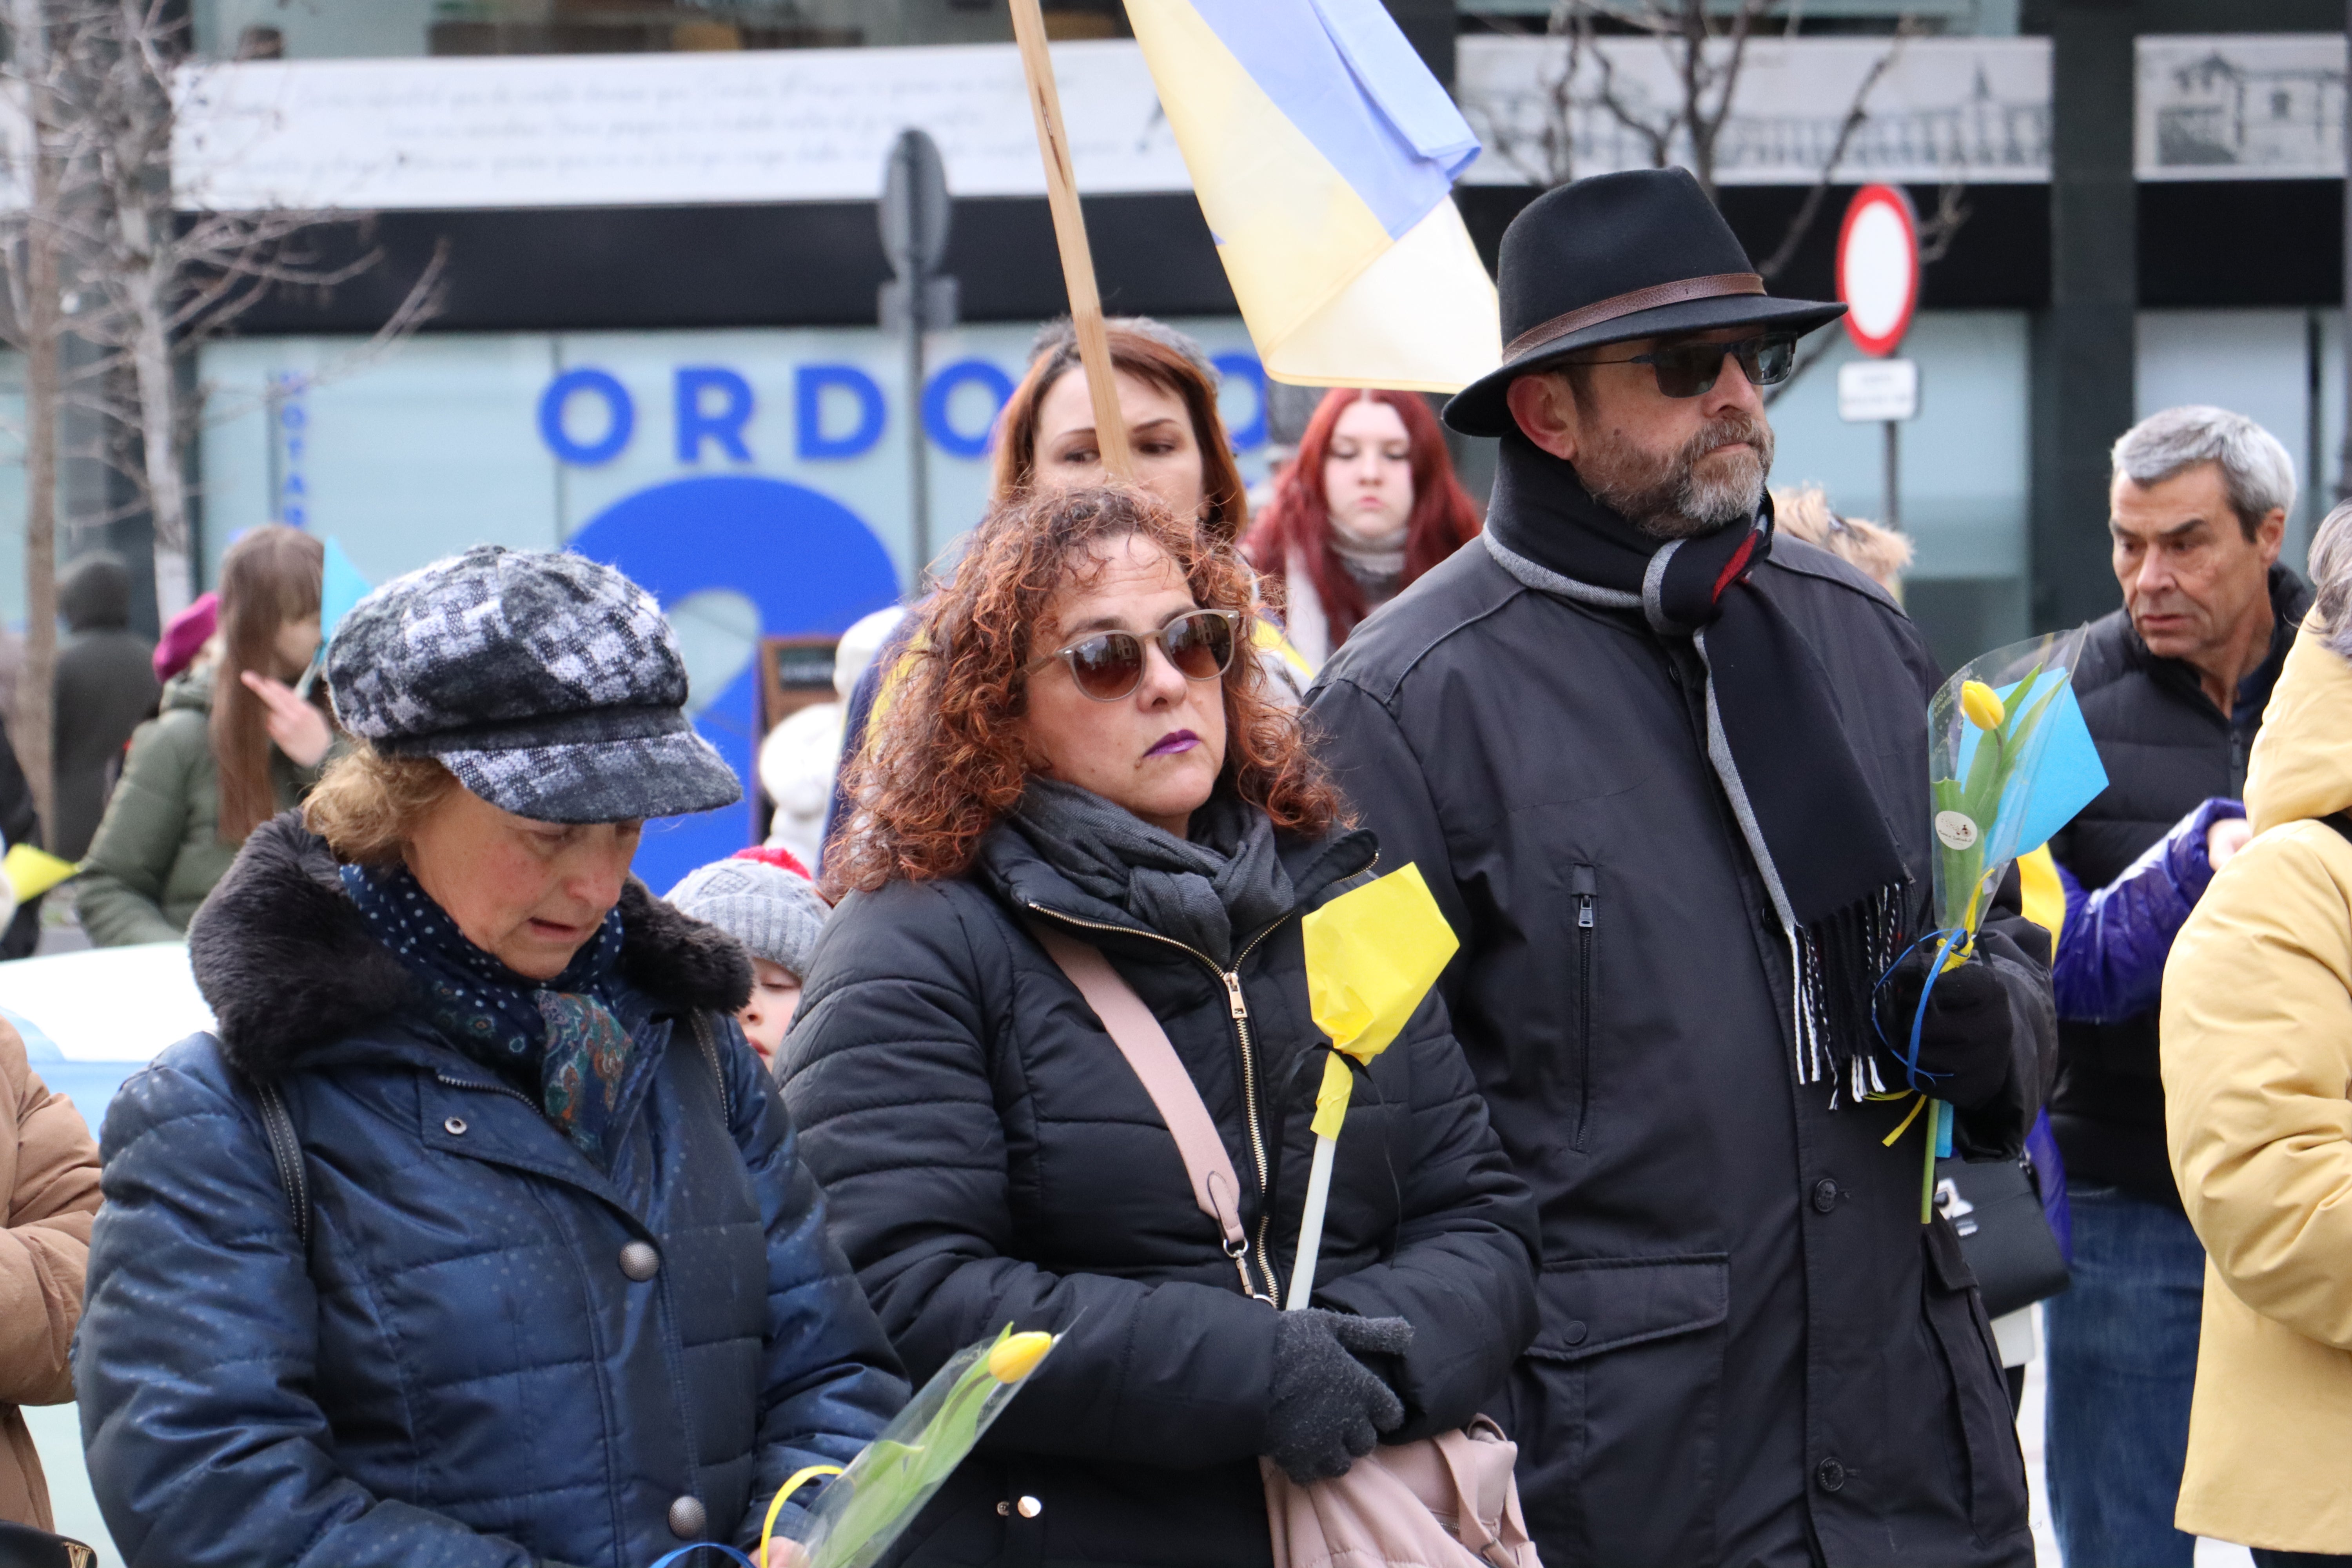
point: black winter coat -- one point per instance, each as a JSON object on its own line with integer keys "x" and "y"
{"x": 2167, "y": 749}
{"x": 483, "y": 1352}
{"x": 105, "y": 686}
{"x": 991, "y": 1158}
{"x": 1752, "y": 1351}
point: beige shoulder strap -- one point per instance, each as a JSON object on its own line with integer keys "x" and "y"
{"x": 1144, "y": 1043}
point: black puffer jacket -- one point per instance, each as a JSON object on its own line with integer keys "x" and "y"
{"x": 989, "y": 1157}
{"x": 1752, "y": 1351}
{"x": 2167, "y": 749}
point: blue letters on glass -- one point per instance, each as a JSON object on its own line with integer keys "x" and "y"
{"x": 807, "y": 561}
{"x": 809, "y": 384}
{"x": 621, "y": 417}
{"x": 697, "y": 423}
{"x": 944, "y": 386}
{"x": 1249, "y": 368}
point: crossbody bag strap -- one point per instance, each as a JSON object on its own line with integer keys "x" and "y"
{"x": 1144, "y": 1043}
{"x": 285, "y": 1152}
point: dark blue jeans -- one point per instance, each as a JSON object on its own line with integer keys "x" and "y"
{"x": 2123, "y": 1370}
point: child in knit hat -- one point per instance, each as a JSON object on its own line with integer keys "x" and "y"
{"x": 764, "y": 899}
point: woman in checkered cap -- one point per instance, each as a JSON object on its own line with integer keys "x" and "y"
{"x": 475, "y": 1234}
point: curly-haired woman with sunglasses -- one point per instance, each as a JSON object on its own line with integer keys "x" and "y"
{"x": 1084, "y": 765}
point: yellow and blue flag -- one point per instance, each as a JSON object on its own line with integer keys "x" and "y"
{"x": 1324, "y": 155}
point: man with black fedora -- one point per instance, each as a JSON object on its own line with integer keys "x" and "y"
{"x": 1667, "y": 776}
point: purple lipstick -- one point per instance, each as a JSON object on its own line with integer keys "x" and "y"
{"x": 1173, "y": 742}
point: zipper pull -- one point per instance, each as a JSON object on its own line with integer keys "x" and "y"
{"x": 1233, "y": 995}
{"x": 1584, "y": 885}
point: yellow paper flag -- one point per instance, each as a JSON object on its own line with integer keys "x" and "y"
{"x": 32, "y": 872}
{"x": 1371, "y": 955}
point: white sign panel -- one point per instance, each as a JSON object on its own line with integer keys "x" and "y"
{"x": 1877, "y": 390}
{"x": 2241, "y": 106}
{"x": 772, "y": 125}
{"x": 1964, "y": 109}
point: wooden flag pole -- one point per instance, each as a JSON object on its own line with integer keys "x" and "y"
{"x": 1070, "y": 234}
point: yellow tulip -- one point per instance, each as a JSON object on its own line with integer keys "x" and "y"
{"x": 1982, "y": 705}
{"x": 1018, "y": 1356}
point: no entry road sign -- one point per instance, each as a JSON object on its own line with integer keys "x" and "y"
{"x": 1878, "y": 267}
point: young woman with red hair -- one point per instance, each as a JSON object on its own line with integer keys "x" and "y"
{"x": 1085, "y": 767}
{"x": 1369, "y": 504}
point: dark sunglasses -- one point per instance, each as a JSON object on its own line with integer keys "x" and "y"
{"x": 1108, "y": 666}
{"x": 1691, "y": 369}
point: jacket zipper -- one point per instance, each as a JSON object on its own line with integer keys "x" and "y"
{"x": 1238, "y": 1008}
{"x": 489, "y": 1089}
{"x": 1584, "y": 883}
{"x": 1257, "y": 1140}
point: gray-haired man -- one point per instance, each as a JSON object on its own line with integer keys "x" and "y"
{"x": 2173, "y": 686}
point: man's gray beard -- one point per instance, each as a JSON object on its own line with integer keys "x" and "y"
{"x": 1664, "y": 496}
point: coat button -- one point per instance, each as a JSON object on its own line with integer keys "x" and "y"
{"x": 454, "y": 1127}
{"x": 1830, "y": 1475}
{"x": 640, "y": 1262}
{"x": 687, "y": 1518}
{"x": 1825, "y": 1198}
{"x": 1028, "y": 1508}
{"x": 1574, "y": 1332}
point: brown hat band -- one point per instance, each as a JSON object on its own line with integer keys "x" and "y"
{"x": 1650, "y": 298}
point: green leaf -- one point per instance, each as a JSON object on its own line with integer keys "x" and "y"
{"x": 1986, "y": 770}
{"x": 2021, "y": 688}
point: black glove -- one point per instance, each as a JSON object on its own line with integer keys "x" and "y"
{"x": 1329, "y": 1408}
{"x": 1964, "y": 1041}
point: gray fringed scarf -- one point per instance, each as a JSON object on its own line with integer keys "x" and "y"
{"x": 1222, "y": 884}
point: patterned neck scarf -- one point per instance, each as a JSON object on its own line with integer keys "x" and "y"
{"x": 563, "y": 1036}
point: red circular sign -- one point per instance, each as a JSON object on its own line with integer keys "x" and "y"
{"x": 1878, "y": 267}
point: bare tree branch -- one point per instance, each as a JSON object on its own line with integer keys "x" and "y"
{"x": 1935, "y": 233}
{"x": 1705, "y": 45}
{"x": 1856, "y": 114}
{"x": 144, "y": 285}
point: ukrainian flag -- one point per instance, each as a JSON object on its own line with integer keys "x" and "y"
{"x": 1324, "y": 155}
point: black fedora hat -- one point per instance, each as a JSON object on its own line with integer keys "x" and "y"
{"x": 1616, "y": 257}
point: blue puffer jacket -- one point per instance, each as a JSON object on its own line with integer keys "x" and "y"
{"x": 489, "y": 1354}
{"x": 2111, "y": 951}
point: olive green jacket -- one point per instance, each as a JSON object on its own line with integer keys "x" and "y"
{"x": 159, "y": 850}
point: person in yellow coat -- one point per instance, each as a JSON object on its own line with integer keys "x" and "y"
{"x": 2257, "y": 1045}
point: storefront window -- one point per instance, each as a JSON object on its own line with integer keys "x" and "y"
{"x": 756, "y": 482}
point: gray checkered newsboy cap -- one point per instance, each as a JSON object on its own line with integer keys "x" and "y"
{"x": 549, "y": 684}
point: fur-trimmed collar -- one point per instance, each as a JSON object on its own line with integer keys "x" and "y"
{"x": 287, "y": 965}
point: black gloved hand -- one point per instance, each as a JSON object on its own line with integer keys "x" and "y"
{"x": 1964, "y": 1041}
{"x": 1329, "y": 1408}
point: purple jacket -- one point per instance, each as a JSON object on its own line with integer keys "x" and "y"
{"x": 2111, "y": 952}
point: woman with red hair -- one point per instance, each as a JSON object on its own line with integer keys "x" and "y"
{"x": 1369, "y": 504}
{"x": 1087, "y": 774}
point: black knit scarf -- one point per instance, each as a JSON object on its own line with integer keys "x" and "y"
{"x": 1220, "y": 886}
{"x": 1817, "y": 837}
